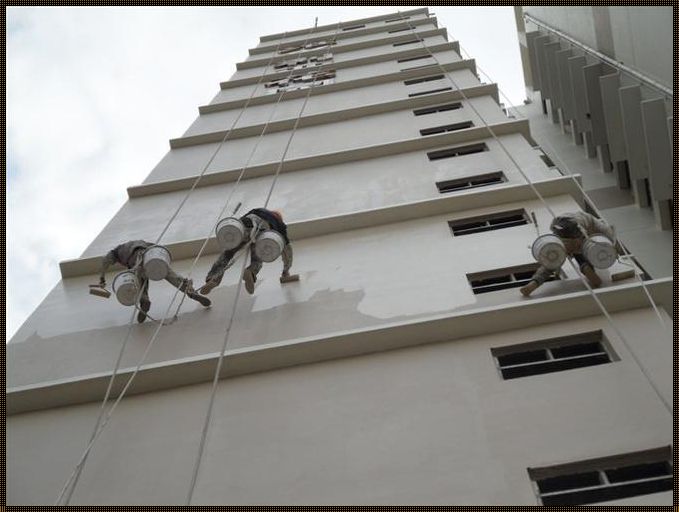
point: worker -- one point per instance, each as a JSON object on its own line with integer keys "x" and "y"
{"x": 130, "y": 254}
{"x": 259, "y": 219}
{"x": 572, "y": 229}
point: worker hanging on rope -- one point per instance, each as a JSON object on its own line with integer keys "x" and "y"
{"x": 267, "y": 235}
{"x": 591, "y": 241}
{"x": 131, "y": 255}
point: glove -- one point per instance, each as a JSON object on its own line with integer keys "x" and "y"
{"x": 102, "y": 282}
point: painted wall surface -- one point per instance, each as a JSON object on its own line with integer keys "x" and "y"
{"x": 333, "y": 30}
{"x": 350, "y": 280}
{"x": 412, "y": 426}
{"x": 318, "y": 192}
{"x": 576, "y": 21}
{"x": 330, "y": 102}
{"x": 315, "y": 140}
{"x": 243, "y": 92}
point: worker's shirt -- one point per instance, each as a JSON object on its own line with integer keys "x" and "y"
{"x": 125, "y": 253}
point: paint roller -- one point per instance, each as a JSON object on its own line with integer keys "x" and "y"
{"x": 290, "y": 278}
{"x": 99, "y": 291}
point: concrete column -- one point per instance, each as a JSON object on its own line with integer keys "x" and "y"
{"x": 659, "y": 152}
{"x": 563, "y": 73}
{"x": 553, "y": 78}
{"x": 596, "y": 112}
{"x": 610, "y": 84}
{"x": 533, "y": 58}
{"x": 581, "y": 124}
{"x": 541, "y": 61}
{"x": 630, "y": 103}
{"x": 575, "y": 133}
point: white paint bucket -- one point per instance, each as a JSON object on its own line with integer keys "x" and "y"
{"x": 599, "y": 251}
{"x": 157, "y": 262}
{"x": 549, "y": 251}
{"x": 126, "y": 287}
{"x": 269, "y": 245}
{"x": 230, "y": 233}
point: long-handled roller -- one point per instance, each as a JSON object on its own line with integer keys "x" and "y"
{"x": 99, "y": 291}
{"x": 290, "y": 278}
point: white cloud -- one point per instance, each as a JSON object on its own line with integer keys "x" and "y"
{"x": 94, "y": 94}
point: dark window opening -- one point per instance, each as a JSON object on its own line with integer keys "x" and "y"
{"x": 429, "y": 92}
{"x": 503, "y": 279}
{"x": 607, "y": 479}
{"x": 403, "y": 43}
{"x": 439, "y": 108}
{"x": 647, "y": 190}
{"x": 471, "y": 182}
{"x": 457, "y": 151}
{"x": 447, "y": 128}
{"x": 409, "y": 59}
{"x": 414, "y": 81}
{"x": 548, "y": 161}
{"x": 488, "y": 222}
{"x": 354, "y": 27}
{"x": 555, "y": 355}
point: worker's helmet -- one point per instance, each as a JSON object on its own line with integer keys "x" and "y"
{"x": 564, "y": 227}
{"x": 277, "y": 214}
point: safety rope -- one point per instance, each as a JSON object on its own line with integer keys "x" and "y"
{"x": 549, "y": 209}
{"x": 75, "y": 475}
{"x": 220, "y": 360}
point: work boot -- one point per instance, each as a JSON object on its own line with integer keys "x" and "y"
{"x": 591, "y": 275}
{"x": 144, "y": 306}
{"x": 208, "y": 286}
{"x": 250, "y": 279}
{"x": 529, "y": 288}
{"x": 199, "y": 298}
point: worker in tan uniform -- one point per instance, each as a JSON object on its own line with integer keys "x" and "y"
{"x": 258, "y": 219}
{"x": 573, "y": 229}
{"x": 130, "y": 254}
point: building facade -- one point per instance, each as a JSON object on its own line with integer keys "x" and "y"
{"x": 404, "y": 366}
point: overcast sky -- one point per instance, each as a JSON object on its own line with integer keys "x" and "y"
{"x": 94, "y": 95}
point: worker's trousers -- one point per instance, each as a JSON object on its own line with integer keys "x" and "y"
{"x": 216, "y": 273}
{"x": 172, "y": 277}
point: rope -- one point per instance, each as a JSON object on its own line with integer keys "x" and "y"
{"x": 99, "y": 426}
{"x": 589, "y": 200}
{"x": 549, "y": 209}
{"x": 215, "y": 380}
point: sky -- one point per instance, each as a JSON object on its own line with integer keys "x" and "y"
{"x": 94, "y": 95}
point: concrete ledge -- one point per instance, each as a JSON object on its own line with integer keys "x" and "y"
{"x": 367, "y": 218}
{"x": 338, "y": 86}
{"x": 371, "y": 19}
{"x": 439, "y": 328}
{"x": 331, "y": 117}
{"x": 342, "y": 36}
{"x": 338, "y": 157}
{"x": 369, "y": 59}
{"x": 343, "y": 48}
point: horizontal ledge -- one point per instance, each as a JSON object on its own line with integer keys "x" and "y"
{"x": 361, "y": 61}
{"x": 344, "y": 35}
{"x": 309, "y": 350}
{"x": 343, "y": 48}
{"x": 327, "y": 117}
{"x": 366, "y": 218}
{"x": 371, "y": 19}
{"x": 337, "y": 86}
{"x": 338, "y": 157}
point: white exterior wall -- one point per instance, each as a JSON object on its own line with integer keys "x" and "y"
{"x": 433, "y": 423}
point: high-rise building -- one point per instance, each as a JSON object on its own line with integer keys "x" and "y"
{"x": 404, "y": 366}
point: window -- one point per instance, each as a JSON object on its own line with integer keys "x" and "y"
{"x": 489, "y": 222}
{"x": 554, "y": 355}
{"x": 354, "y": 27}
{"x": 409, "y": 59}
{"x": 433, "y": 91}
{"x": 504, "y": 278}
{"x": 315, "y": 78}
{"x": 392, "y": 20}
{"x": 421, "y": 80}
{"x": 447, "y": 128}
{"x": 403, "y": 43}
{"x": 419, "y": 67}
{"x": 457, "y": 151}
{"x": 439, "y": 108}
{"x": 480, "y": 180}
{"x": 604, "y": 479}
